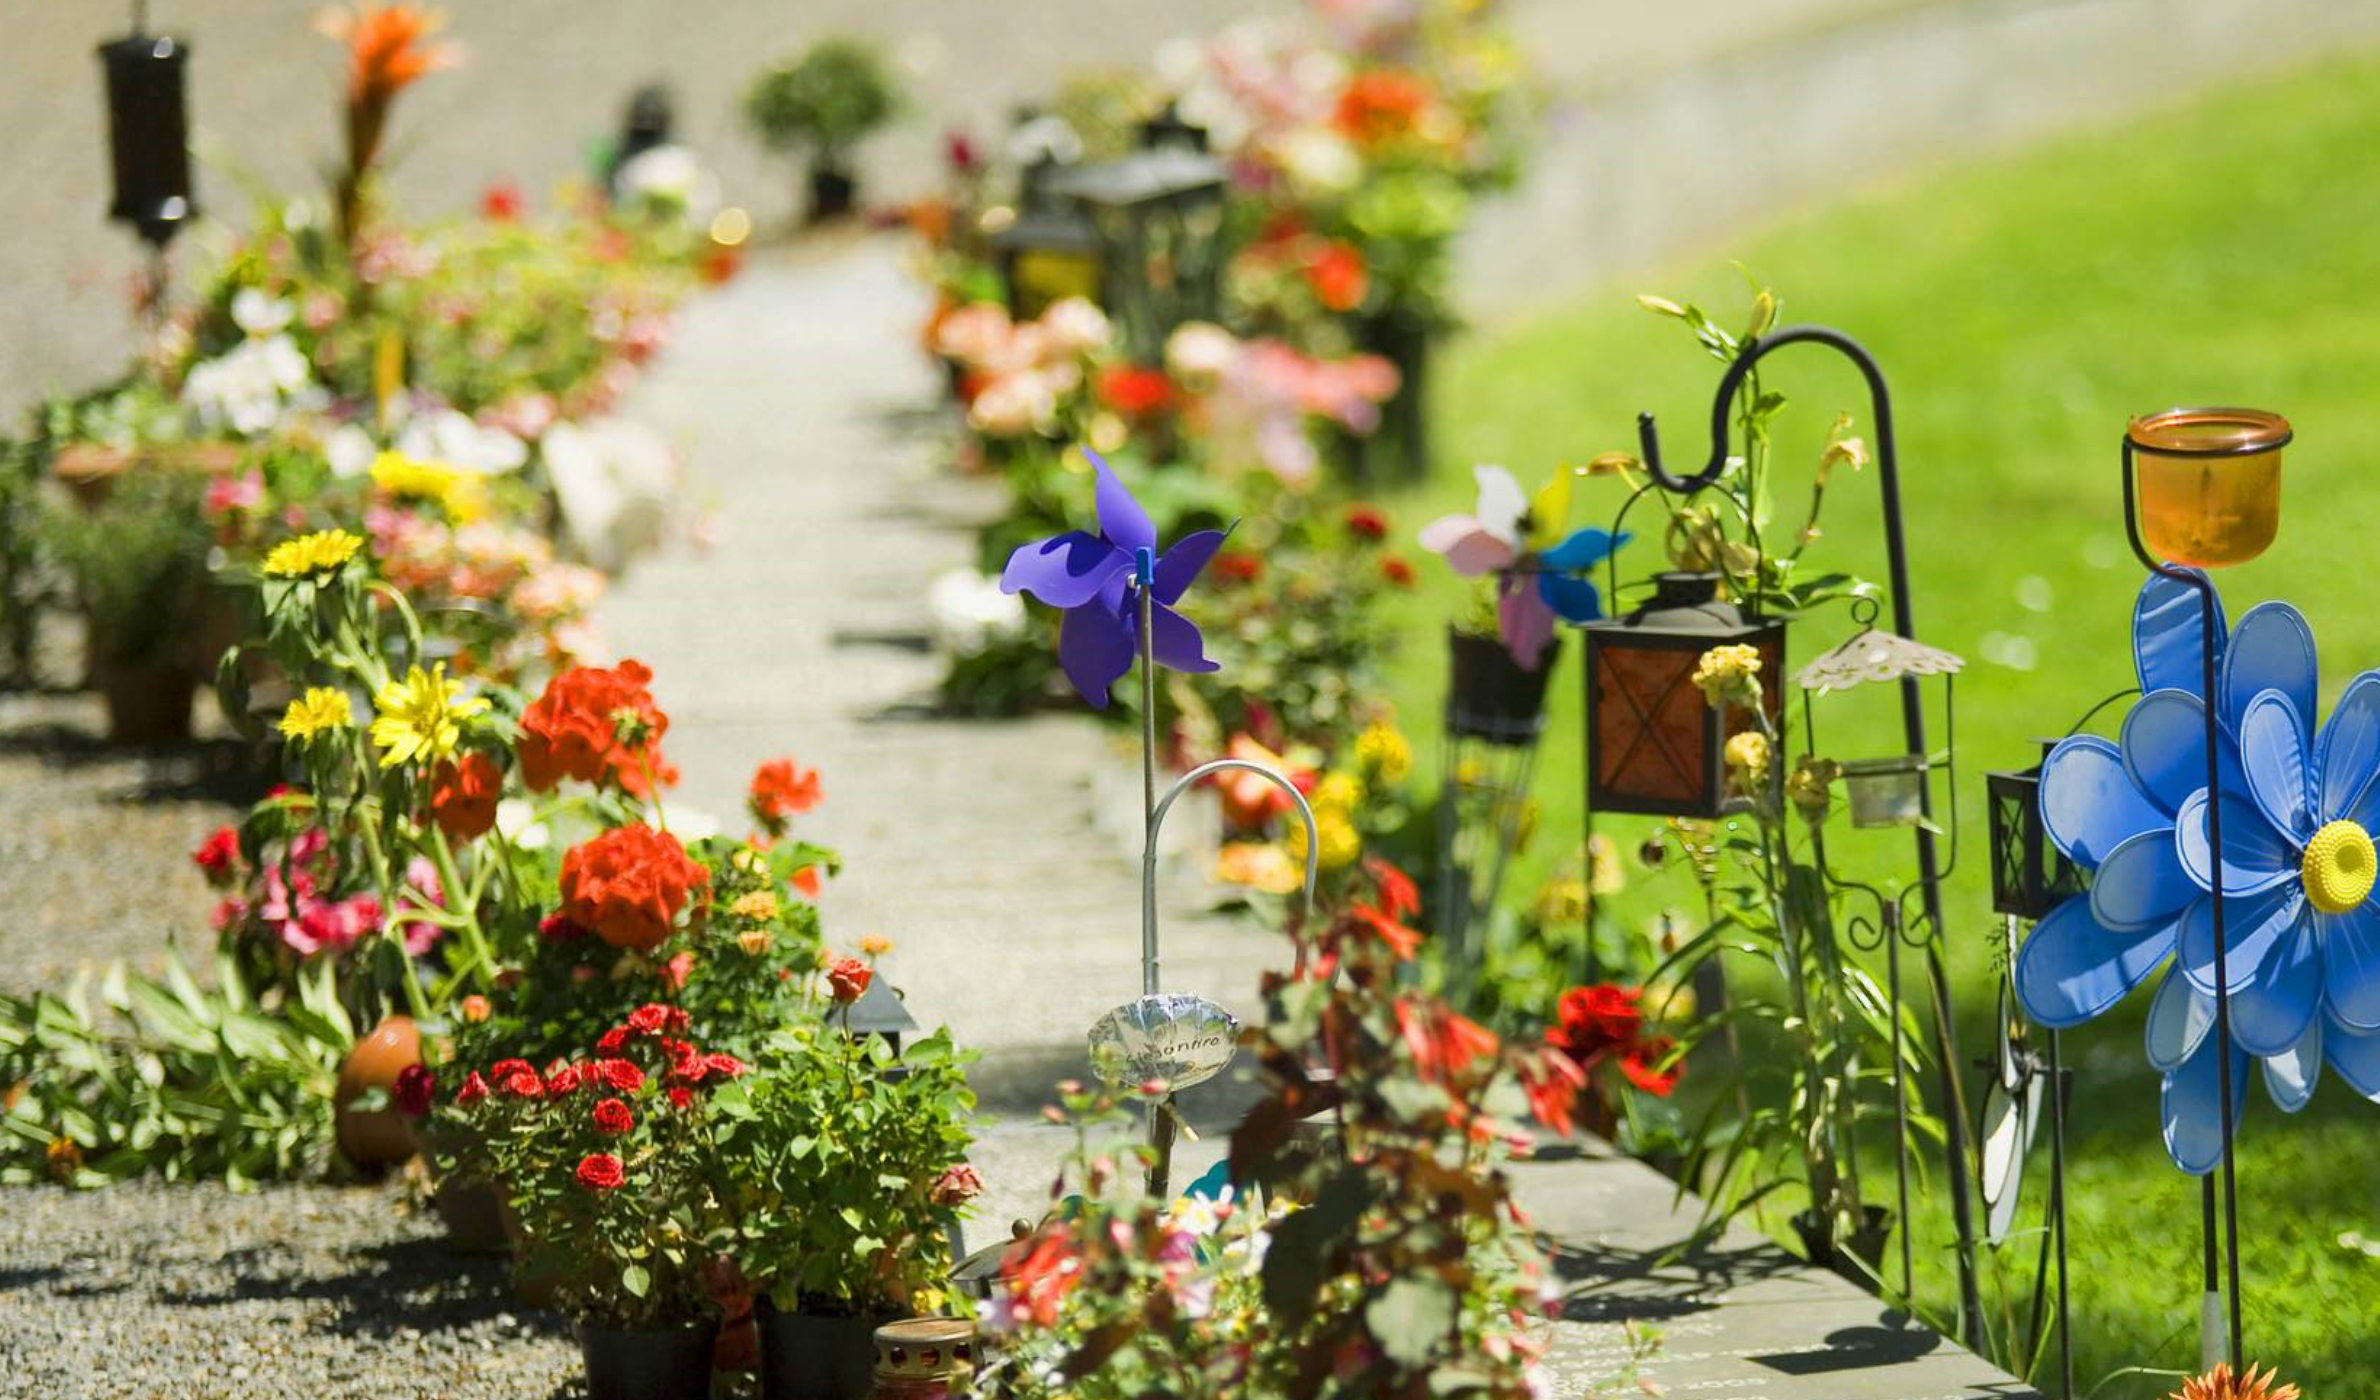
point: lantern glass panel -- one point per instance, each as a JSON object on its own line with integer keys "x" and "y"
{"x": 1654, "y": 746}
{"x": 2030, "y": 875}
{"x": 2209, "y": 482}
{"x": 1886, "y": 792}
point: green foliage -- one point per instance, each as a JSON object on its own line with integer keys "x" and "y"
{"x": 26, "y": 591}
{"x": 823, "y": 103}
{"x": 130, "y": 1074}
{"x": 137, "y": 565}
{"x": 834, "y": 1164}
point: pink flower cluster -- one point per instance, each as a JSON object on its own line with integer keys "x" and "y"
{"x": 288, "y": 898}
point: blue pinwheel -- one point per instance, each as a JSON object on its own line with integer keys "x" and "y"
{"x": 2132, "y": 813}
{"x": 1091, "y": 578}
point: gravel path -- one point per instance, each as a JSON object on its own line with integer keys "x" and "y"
{"x": 95, "y": 842}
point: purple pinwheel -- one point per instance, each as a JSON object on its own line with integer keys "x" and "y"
{"x": 1092, "y": 577}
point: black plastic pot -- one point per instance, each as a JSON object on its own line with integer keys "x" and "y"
{"x": 1399, "y": 449}
{"x": 832, "y": 193}
{"x": 1860, "y": 1258}
{"x": 1489, "y": 696}
{"x": 807, "y": 1356}
{"x": 636, "y": 1365}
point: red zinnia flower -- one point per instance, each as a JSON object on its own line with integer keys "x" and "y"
{"x": 1133, "y": 391}
{"x": 413, "y": 1091}
{"x": 622, "y": 1075}
{"x": 463, "y": 795}
{"x": 780, "y": 788}
{"x": 601, "y": 1171}
{"x": 628, "y": 884}
{"x": 612, "y": 1116}
{"x": 595, "y": 725}
{"x": 848, "y": 978}
{"x": 218, "y": 855}
{"x": 1339, "y": 278}
{"x": 474, "y": 1089}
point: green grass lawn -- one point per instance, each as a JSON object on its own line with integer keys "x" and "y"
{"x": 2024, "y": 307}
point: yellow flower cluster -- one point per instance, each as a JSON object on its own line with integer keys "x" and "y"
{"x": 318, "y": 553}
{"x": 1747, "y": 754}
{"x": 760, "y": 904}
{"x": 320, "y": 710}
{"x": 1384, "y": 752}
{"x": 1810, "y": 786}
{"x": 462, "y": 495}
{"x": 420, "y": 717}
{"x": 1729, "y": 674}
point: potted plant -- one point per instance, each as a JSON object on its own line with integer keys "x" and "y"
{"x": 1489, "y": 695}
{"x": 847, "y": 1172}
{"x": 820, "y": 106}
{"x": 611, "y": 1166}
{"x": 136, "y": 562}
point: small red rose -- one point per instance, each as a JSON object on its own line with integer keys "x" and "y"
{"x": 612, "y": 1116}
{"x": 601, "y": 1171}
{"x": 474, "y": 1089}
{"x": 620, "y": 1075}
{"x": 848, "y": 978}
{"x": 413, "y": 1090}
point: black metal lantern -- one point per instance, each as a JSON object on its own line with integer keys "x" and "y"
{"x": 1169, "y": 128}
{"x": 878, "y": 1012}
{"x": 148, "y": 134}
{"x": 1159, "y": 216}
{"x": 1049, "y": 251}
{"x": 1654, "y": 746}
{"x": 2030, "y": 875}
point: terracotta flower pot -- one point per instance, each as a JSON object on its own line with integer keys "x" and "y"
{"x": 377, "y": 1139}
{"x": 476, "y": 1214}
{"x": 805, "y": 1356}
{"x": 640, "y": 1365}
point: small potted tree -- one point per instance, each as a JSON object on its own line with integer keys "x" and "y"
{"x": 819, "y": 107}
{"x": 846, "y": 1177}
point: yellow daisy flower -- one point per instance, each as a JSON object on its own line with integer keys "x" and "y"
{"x": 318, "y": 553}
{"x": 461, "y": 495}
{"x": 319, "y": 711}
{"x": 421, "y": 716}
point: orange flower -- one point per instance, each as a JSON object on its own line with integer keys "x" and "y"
{"x": 1339, "y": 276}
{"x": 463, "y": 795}
{"x": 596, "y": 724}
{"x": 1552, "y": 1081}
{"x": 806, "y": 880}
{"x": 628, "y": 885}
{"x": 1381, "y": 106}
{"x": 1039, "y": 1271}
{"x": 1443, "y": 1043}
{"x": 2223, "y": 1383}
{"x": 388, "y": 49}
{"x": 848, "y": 979}
{"x": 780, "y": 788}
{"x": 1405, "y": 942}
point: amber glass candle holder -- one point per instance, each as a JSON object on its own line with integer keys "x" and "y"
{"x": 2209, "y": 482}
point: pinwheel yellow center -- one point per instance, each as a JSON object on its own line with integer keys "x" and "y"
{"x": 2339, "y": 867}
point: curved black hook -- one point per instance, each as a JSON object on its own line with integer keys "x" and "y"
{"x": 1648, "y": 437}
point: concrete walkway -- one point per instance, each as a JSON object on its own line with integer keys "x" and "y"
{"x": 796, "y": 397}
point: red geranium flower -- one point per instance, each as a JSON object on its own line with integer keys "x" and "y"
{"x": 612, "y": 1116}
{"x": 628, "y": 884}
{"x": 218, "y": 855}
{"x": 474, "y": 1089}
{"x": 622, "y": 1075}
{"x": 601, "y": 1171}
{"x": 1367, "y": 522}
{"x": 1133, "y": 391}
{"x": 463, "y": 795}
{"x": 596, "y": 724}
{"x": 780, "y": 788}
{"x": 413, "y": 1091}
{"x": 1339, "y": 277}
{"x": 848, "y": 978}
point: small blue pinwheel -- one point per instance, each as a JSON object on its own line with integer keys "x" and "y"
{"x": 1515, "y": 538}
{"x": 2304, "y": 981}
{"x": 1091, "y": 578}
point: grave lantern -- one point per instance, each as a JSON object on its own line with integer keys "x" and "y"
{"x": 1654, "y": 747}
{"x": 1889, "y": 791}
{"x": 1159, "y": 216}
{"x": 878, "y": 1012}
{"x": 1169, "y": 128}
{"x": 1049, "y": 251}
{"x": 148, "y": 134}
{"x": 2030, "y": 875}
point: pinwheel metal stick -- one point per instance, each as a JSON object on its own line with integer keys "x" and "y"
{"x": 1888, "y": 481}
{"x": 2227, "y": 1281}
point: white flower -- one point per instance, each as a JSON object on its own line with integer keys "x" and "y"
{"x": 1200, "y": 352}
{"x": 1014, "y": 404}
{"x": 517, "y": 819}
{"x": 258, "y": 314}
{"x": 1319, "y": 161}
{"x": 247, "y": 387}
{"x": 614, "y": 480}
{"x": 973, "y": 334}
{"x": 1074, "y": 327}
{"x": 350, "y": 450}
{"x": 688, "y": 824}
{"x": 1200, "y": 1215}
{"x": 968, "y": 611}
{"x": 672, "y": 179}
{"x": 450, "y": 437}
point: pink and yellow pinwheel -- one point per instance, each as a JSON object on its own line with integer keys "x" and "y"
{"x": 1540, "y": 575}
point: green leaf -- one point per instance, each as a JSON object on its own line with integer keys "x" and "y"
{"x": 1411, "y": 1318}
{"x": 636, "y": 1280}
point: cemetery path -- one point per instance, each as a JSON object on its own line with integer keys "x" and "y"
{"x": 801, "y": 401}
